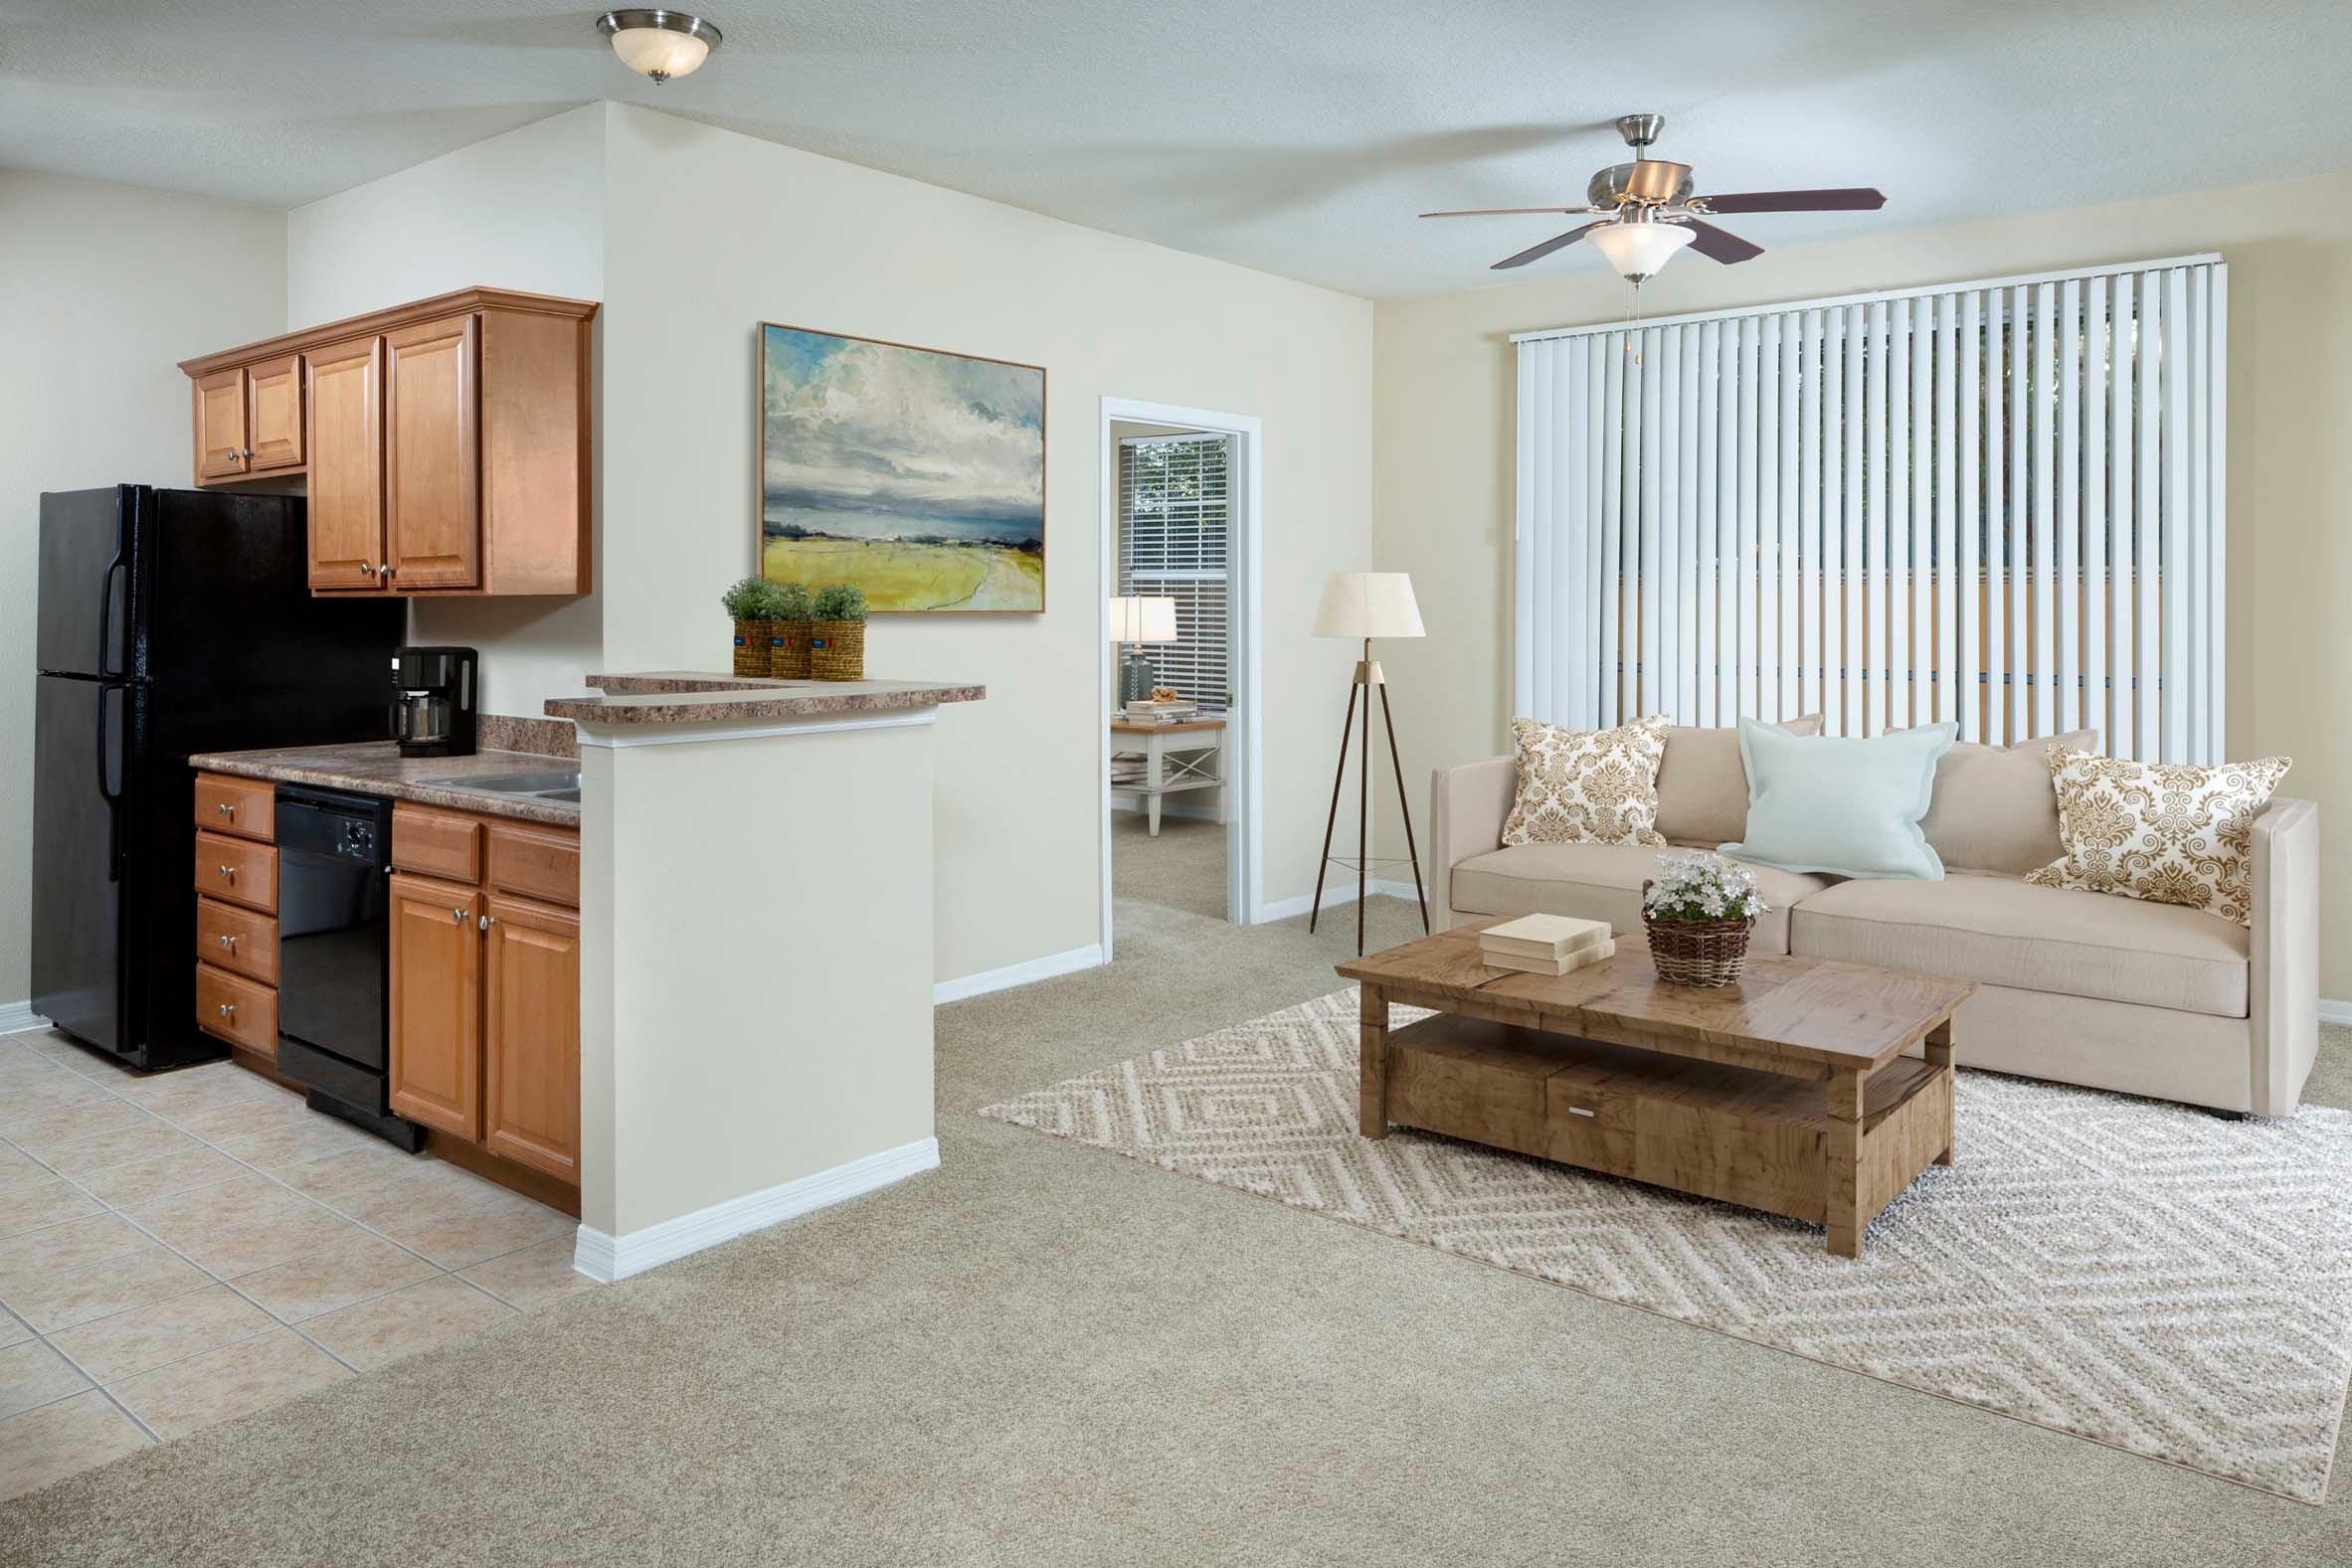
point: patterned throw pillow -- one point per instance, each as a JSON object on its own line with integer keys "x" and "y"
{"x": 1586, "y": 787}
{"x": 2165, "y": 833}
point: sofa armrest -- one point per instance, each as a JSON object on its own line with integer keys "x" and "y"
{"x": 2283, "y": 950}
{"x": 1467, "y": 805}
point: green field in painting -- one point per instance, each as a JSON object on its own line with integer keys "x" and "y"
{"x": 897, "y": 574}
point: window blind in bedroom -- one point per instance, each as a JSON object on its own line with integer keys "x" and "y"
{"x": 1176, "y": 526}
{"x": 1999, "y": 503}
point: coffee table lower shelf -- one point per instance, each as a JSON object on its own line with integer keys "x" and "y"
{"x": 1756, "y": 1139}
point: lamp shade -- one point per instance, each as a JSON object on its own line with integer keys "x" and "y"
{"x": 1638, "y": 249}
{"x": 1143, "y": 620}
{"x": 1368, "y": 604}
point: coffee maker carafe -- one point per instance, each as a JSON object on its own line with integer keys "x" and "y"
{"x": 433, "y": 696}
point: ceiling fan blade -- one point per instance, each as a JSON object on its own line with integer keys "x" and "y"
{"x": 1845, "y": 198}
{"x": 1719, "y": 244}
{"x": 1537, "y": 253}
{"x": 1497, "y": 211}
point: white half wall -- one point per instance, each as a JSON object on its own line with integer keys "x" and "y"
{"x": 524, "y": 211}
{"x": 104, "y": 290}
{"x": 738, "y": 231}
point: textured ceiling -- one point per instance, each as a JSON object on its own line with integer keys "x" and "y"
{"x": 1299, "y": 136}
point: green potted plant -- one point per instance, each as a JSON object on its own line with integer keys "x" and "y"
{"x": 836, "y": 632}
{"x": 788, "y": 644}
{"x": 755, "y": 604}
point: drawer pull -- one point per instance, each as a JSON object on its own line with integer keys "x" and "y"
{"x": 230, "y": 943}
{"x": 230, "y": 872}
{"x": 1579, "y": 1111}
{"x": 229, "y": 1009}
{"x": 225, "y": 808}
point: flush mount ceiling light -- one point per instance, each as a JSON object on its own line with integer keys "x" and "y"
{"x": 659, "y": 44}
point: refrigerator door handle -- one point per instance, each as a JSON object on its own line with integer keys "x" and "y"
{"x": 113, "y": 797}
{"x": 106, "y": 619}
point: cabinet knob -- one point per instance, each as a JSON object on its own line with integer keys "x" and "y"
{"x": 247, "y": 454}
{"x": 457, "y": 914}
{"x": 487, "y": 921}
{"x": 225, "y": 808}
{"x": 230, "y": 943}
{"x": 230, "y": 872}
{"x": 228, "y": 1009}
{"x": 390, "y": 569}
{"x": 367, "y": 569}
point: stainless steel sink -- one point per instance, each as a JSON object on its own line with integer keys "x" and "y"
{"x": 544, "y": 782}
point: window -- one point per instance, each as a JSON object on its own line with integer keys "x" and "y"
{"x": 1999, "y": 504}
{"x": 1174, "y": 531}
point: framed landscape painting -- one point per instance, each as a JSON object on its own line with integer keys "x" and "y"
{"x": 916, "y": 474}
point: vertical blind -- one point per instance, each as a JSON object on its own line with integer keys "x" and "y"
{"x": 1174, "y": 542}
{"x": 1995, "y": 503}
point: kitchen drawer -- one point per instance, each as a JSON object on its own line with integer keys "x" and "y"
{"x": 243, "y": 807}
{"x": 536, "y": 862}
{"x": 238, "y": 870}
{"x": 444, "y": 845}
{"x": 237, "y": 1009}
{"x": 236, "y": 938}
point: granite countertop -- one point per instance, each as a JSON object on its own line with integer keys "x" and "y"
{"x": 377, "y": 768}
{"x": 688, "y": 697}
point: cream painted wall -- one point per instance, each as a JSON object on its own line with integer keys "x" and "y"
{"x": 745, "y": 231}
{"x": 525, "y": 211}
{"x": 100, "y": 297}
{"x": 1443, "y": 460}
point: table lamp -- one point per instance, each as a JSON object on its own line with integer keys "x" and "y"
{"x": 1135, "y": 622}
{"x": 1368, "y": 604}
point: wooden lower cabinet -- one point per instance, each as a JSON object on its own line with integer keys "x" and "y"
{"x": 486, "y": 985}
{"x": 531, "y": 1044}
{"x": 435, "y": 976}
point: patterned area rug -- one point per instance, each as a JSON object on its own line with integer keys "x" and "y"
{"x": 2141, "y": 1275}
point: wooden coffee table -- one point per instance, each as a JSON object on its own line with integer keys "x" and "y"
{"x": 1705, "y": 1092}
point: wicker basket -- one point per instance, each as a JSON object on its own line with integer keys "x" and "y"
{"x": 750, "y": 645}
{"x": 837, "y": 650}
{"x": 1697, "y": 953}
{"x": 787, "y": 650}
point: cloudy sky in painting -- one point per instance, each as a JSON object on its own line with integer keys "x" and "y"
{"x": 872, "y": 441}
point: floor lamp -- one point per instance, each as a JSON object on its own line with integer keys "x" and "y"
{"x": 1368, "y": 604}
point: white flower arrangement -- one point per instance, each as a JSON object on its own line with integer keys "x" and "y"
{"x": 1702, "y": 886}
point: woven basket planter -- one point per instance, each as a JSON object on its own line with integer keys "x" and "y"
{"x": 837, "y": 650}
{"x": 787, "y": 650}
{"x": 750, "y": 645}
{"x": 1704, "y": 953}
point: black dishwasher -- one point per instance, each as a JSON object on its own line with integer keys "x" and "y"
{"x": 334, "y": 852}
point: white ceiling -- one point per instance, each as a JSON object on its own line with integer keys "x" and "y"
{"x": 1299, "y": 136}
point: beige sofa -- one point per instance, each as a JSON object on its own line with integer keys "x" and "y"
{"x": 2081, "y": 987}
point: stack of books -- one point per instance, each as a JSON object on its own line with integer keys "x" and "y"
{"x": 1162, "y": 712}
{"x": 1546, "y": 944}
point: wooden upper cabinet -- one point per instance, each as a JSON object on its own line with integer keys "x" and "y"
{"x": 346, "y": 395}
{"x": 273, "y": 414}
{"x": 220, "y": 426}
{"x": 431, "y": 468}
{"x": 447, "y": 443}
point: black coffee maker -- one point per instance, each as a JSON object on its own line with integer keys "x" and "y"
{"x": 433, "y": 697}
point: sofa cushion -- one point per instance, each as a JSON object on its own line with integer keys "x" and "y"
{"x": 2006, "y": 931}
{"x": 1703, "y": 784}
{"x": 1601, "y": 882}
{"x": 2166, "y": 833}
{"x": 1844, "y": 806}
{"x": 1994, "y": 808}
{"x": 1586, "y": 787}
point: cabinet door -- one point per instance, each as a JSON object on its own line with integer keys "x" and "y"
{"x": 433, "y": 485}
{"x": 273, "y": 414}
{"x": 531, "y": 1043}
{"x": 220, "y": 426}
{"x": 435, "y": 1074}
{"x": 347, "y": 464}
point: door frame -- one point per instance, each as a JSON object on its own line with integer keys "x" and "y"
{"x": 1244, "y": 730}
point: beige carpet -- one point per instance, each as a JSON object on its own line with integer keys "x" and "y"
{"x": 2142, "y": 1274}
{"x": 1037, "y": 1355}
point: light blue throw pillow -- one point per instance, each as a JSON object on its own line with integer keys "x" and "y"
{"x": 1846, "y": 806}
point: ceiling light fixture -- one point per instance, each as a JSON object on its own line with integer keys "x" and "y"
{"x": 1639, "y": 248}
{"x": 659, "y": 44}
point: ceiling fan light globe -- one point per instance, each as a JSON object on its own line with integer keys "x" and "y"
{"x": 1638, "y": 249}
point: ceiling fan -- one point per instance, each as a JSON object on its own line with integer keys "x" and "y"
{"x": 1653, "y": 211}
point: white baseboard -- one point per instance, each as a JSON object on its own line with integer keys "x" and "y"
{"x": 2332, "y": 1011}
{"x": 1286, "y": 909}
{"x": 606, "y": 1258}
{"x": 19, "y": 1016}
{"x": 1089, "y": 957}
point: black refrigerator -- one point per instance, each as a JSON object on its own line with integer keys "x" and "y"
{"x": 170, "y": 621}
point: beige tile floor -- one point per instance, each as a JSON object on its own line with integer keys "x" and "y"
{"x": 181, "y": 1248}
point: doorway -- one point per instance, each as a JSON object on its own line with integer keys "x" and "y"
{"x": 1178, "y": 689}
